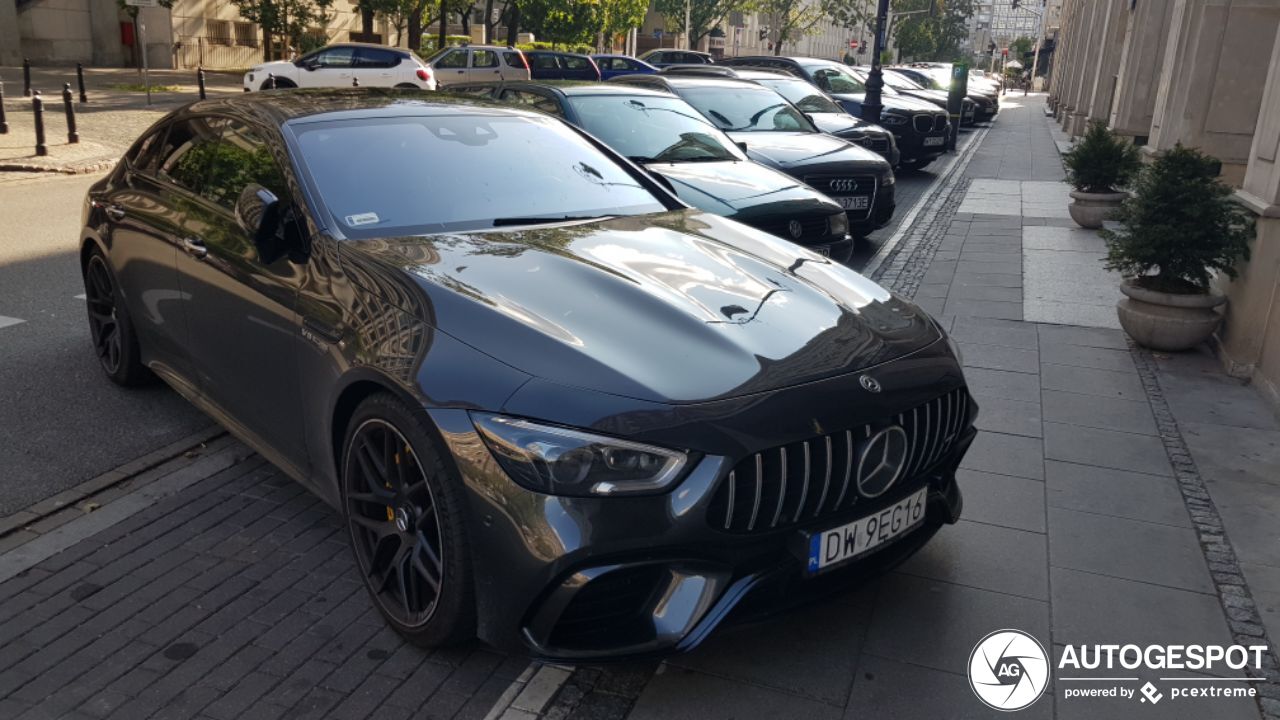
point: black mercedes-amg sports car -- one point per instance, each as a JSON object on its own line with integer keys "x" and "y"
{"x": 555, "y": 407}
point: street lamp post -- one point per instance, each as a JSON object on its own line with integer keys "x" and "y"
{"x": 871, "y": 104}
{"x": 688, "y": 31}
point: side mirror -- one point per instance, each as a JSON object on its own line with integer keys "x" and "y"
{"x": 741, "y": 145}
{"x": 258, "y": 212}
{"x": 310, "y": 65}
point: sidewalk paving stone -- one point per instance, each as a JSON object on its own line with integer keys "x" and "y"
{"x": 1105, "y": 491}
{"x": 1102, "y": 413}
{"x": 988, "y": 557}
{"x": 1091, "y": 381}
{"x": 1012, "y": 417}
{"x": 1130, "y": 549}
{"x": 1006, "y": 454}
{"x": 1003, "y": 500}
{"x": 903, "y": 691}
{"x": 1104, "y": 448}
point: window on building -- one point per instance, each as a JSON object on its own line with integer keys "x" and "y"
{"x": 219, "y": 32}
{"x": 246, "y": 34}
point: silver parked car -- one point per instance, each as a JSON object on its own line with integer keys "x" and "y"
{"x": 478, "y": 63}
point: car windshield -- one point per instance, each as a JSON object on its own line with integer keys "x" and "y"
{"x": 747, "y": 109}
{"x": 653, "y": 129}
{"x": 899, "y": 81}
{"x": 803, "y": 95}
{"x": 429, "y": 174}
{"x": 930, "y": 79}
{"x": 835, "y": 78}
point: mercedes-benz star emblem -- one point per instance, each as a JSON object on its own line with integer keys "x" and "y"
{"x": 795, "y": 228}
{"x": 869, "y": 384}
{"x": 843, "y": 185}
{"x": 881, "y": 460}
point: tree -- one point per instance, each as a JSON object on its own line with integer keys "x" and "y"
{"x": 1020, "y": 47}
{"x": 704, "y": 15}
{"x": 791, "y": 19}
{"x": 618, "y": 16}
{"x": 934, "y": 30}
{"x": 290, "y": 20}
{"x": 561, "y": 21}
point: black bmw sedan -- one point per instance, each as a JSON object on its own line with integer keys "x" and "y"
{"x": 699, "y": 163}
{"x": 569, "y": 415}
{"x": 774, "y": 132}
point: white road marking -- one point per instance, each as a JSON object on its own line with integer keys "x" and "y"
{"x": 7, "y": 321}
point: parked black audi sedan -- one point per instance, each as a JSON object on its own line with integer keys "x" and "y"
{"x": 683, "y": 150}
{"x": 821, "y": 110}
{"x": 920, "y": 128}
{"x": 555, "y": 407}
{"x": 775, "y": 133}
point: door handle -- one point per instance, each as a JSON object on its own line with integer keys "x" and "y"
{"x": 195, "y": 248}
{"x": 115, "y": 212}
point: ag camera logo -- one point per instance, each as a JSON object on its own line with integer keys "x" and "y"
{"x": 1008, "y": 670}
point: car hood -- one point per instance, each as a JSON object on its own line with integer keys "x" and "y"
{"x": 678, "y": 307}
{"x": 933, "y": 97}
{"x": 741, "y": 189}
{"x": 792, "y": 149}
{"x": 839, "y": 123}
{"x": 894, "y": 102}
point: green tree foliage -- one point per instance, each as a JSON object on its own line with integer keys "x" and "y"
{"x": 925, "y": 35}
{"x": 561, "y": 21}
{"x": 618, "y": 16}
{"x": 1101, "y": 162}
{"x": 1020, "y": 47}
{"x": 1180, "y": 225}
{"x": 791, "y": 19}
{"x": 704, "y": 15}
{"x": 290, "y": 20}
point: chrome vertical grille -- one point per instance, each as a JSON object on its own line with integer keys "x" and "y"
{"x": 811, "y": 479}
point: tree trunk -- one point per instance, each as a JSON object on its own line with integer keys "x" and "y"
{"x": 366, "y": 19}
{"x": 513, "y": 24}
{"x": 465, "y": 16}
{"x": 415, "y": 29}
{"x": 489, "y": 24}
{"x": 266, "y": 44}
{"x": 444, "y": 24}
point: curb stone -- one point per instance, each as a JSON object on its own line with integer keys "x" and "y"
{"x": 1237, "y": 601}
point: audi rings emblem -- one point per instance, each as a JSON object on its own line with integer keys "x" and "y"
{"x": 881, "y": 461}
{"x": 869, "y": 383}
{"x": 795, "y": 228}
{"x": 844, "y": 185}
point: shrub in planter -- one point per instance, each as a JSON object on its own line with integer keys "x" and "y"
{"x": 1180, "y": 226}
{"x": 1099, "y": 167}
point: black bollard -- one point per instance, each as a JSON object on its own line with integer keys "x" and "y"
{"x": 84, "y": 97}
{"x": 355, "y": 81}
{"x": 4, "y": 124}
{"x": 37, "y": 108}
{"x": 73, "y": 137}
{"x": 200, "y": 81}
{"x": 26, "y": 77}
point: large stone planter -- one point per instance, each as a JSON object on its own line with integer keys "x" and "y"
{"x": 1165, "y": 321}
{"x": 1090, "y": 209}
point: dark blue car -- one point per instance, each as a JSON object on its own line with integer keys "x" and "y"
{"x": 611, "y": 65}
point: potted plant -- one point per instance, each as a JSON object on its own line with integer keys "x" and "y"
{"x": 1180, "y": 226}
{"x": 1099, "y": 167}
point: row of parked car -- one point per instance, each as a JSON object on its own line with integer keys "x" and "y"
{"x": 773, "y": 142}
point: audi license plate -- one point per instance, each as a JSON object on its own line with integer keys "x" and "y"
{"x": 930, "y": 141}
{"x": 854, "y": 202}
{"x": 838, "y": 545}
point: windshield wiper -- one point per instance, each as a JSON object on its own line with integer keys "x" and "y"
{"x": 502, "y": 222}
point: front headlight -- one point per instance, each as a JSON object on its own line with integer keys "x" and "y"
{"x": 888, "y": 179}
{"x": 560, "y": 461}
{"x": 838, "y": 224}
{"x": 886, "y": 119}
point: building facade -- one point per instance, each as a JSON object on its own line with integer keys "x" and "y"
{"x": 1206, "y": 74}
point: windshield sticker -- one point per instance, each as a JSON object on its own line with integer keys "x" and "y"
{"x": 362, "y": 219}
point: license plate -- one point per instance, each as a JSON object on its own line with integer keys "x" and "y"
{"x": 934, "y": 141}
{"x": 854, "y": 202}
{"x": 832, "y": 547}
{"x": 823, "y": 250}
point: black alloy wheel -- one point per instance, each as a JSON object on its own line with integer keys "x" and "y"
{"x": 394, "y": 525}
{"x": 109, "y": 327}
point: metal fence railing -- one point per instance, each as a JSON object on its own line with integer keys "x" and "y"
{"x": 236, "y": 51}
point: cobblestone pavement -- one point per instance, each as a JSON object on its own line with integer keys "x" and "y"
{"x": 235, "y": 598}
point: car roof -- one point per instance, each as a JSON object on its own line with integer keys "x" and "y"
{"x": 278, "y": 107}
{"x": 554, "y": 52}
{"x": 360, "y": 45}
{"x": 679, "y": 81}
{"x": 574, "y": 88}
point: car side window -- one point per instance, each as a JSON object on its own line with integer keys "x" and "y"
{"x": 453, "y": 59}
{"x": 339, "y": 57}
{"x": 484, "y": 59}
{"x": 185, "y": 156}
{"x": 513, "y": 60}
{"x": 545, "y": 62}
{"x": 242, "y": 159}
{"x": 573, "y": 62}
{"x": 533, "y": 101}
{"x": 375, "y": 58}
{"x": 144, "y": 154}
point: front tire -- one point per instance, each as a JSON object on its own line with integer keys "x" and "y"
{"x": 403, "y": 507}
{"x": 114, "y": 340}
{"x": 280, "y": 84}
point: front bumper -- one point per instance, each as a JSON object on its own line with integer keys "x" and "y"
{"x": 583, "y": 579}
{"x": 913, "y": 145}
{"x": 882, "y": 210}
